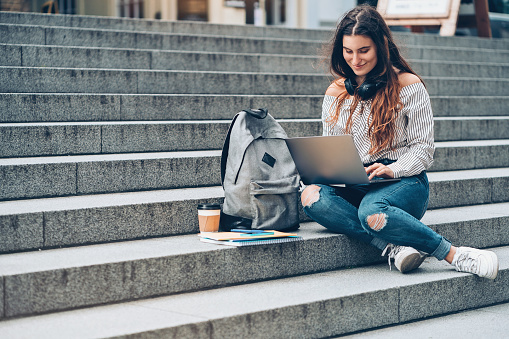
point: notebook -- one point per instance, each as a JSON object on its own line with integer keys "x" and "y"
{"x": 247, "y": 235}
{"x": 248, "y": 238}
{"x": 240, "y": 243}
{"x": 329, "y": 160}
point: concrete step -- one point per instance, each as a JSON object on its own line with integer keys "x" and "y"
{"x": 455, "y": 54}
{"x": 471, "y": 128}
{"x": 127, "y": 24}
{"x": 103, "y": 81}
{"x": 110, "y": 173}
{"x": 129, "y": 268}
{"x": 78, "y": 220}
{"x": 479, "y": 186}
{"x": 34, "y": 107}
{"x": 459, "y": 68}
{"x": 73, "y": 80}
{"x": 411, "y": 39}
{"x": 47, "y": 107}
{"x": 168, "y": 256}
{"x": 162, "y": 26}
{"x": 61, "y": 36}
{"x": 83, "y": 219}
{"x": 89, "y": 174}
{"x": 466, "y": 155}
{"x": 487, "y": 322}
{"x": 288, "y": 307}
{"x": 75, "y": 138}
{"x": 116, "y": 58}
{"x": 50, "y": 139}
{"x": 474, "y": 105}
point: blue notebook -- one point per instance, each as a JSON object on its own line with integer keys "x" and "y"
{"x": 240, "y": 243}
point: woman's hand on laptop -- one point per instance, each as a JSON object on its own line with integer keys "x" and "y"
{"x": 379, "y": 170}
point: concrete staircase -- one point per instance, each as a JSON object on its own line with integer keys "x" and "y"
{"x": 110, "y": 135}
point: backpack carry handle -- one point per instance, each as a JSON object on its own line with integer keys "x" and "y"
{"x": 260, "y": 113}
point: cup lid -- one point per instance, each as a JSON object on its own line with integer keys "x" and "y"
{"x": 209, "y": 206}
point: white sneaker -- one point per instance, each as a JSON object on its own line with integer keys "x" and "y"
{"x": 481, "y": 262}
{"x": 405, "y": 258}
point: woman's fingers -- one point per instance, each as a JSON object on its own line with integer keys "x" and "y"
{"x": 379, "y": 170}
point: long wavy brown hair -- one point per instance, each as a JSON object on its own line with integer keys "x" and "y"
{"x": 385, "y": 104}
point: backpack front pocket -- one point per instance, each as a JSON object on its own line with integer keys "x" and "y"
{"x": 275, "y": 203}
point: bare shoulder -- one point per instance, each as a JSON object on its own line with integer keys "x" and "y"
{"x": 336, "y": 88}
{"x": 406, "y": 79}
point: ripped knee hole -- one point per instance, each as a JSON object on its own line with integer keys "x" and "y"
{"x": 310, "y": 195}
{"x": 377, "y": 221}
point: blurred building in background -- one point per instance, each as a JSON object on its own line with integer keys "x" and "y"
{"x": 289, "y": 13}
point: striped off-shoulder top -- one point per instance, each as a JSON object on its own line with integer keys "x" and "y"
{"x": 414, "y": 143}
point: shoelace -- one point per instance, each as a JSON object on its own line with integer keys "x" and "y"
{"x": 392, "y": 254}
{"x": 465, "y": 263}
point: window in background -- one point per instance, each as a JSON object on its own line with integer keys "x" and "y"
{"x": 235, "y": 3}
{"x": 275, "y": 12}
{"x": 499, "y": 6}
{"x": 130, "y": 8}
{"x": 67, "y": 6}
{"x": 194, "y": 10}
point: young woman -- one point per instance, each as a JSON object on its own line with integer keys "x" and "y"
{"x": 378, "y": 99}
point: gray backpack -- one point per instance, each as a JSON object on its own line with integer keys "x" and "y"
{"x": 259, "y": 177}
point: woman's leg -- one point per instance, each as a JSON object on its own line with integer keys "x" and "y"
{"x": 392, "y": 212}
{"x": 337, "y": 209}
{"x": 322, "y": 204}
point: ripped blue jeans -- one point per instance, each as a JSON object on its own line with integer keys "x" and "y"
{"x": 378, "y": 214}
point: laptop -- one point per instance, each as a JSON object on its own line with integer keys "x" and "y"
{"x": 330, "y": 160}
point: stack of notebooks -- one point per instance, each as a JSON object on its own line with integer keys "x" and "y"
{"x": 248, "y": 237}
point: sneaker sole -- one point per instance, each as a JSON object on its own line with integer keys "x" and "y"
{"x": 409, "y": 263}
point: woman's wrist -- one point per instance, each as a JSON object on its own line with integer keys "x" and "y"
{"x": 397, "y": 170}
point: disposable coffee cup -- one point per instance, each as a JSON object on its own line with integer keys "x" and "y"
{"x": 208, "y": 217}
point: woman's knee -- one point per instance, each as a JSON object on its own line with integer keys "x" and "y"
{"x": 310, "y": 195}
{"x": 373, "y": 218}
{"x": 377, "y": 221}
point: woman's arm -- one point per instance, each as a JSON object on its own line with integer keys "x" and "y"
{"x": 329, "y": 103}
{"x": 419, "y": 132}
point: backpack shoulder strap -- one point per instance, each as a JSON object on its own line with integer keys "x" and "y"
{"x": 226, "y": 147}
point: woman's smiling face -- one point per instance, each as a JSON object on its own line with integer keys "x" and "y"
{"x": 359, "y": 52}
